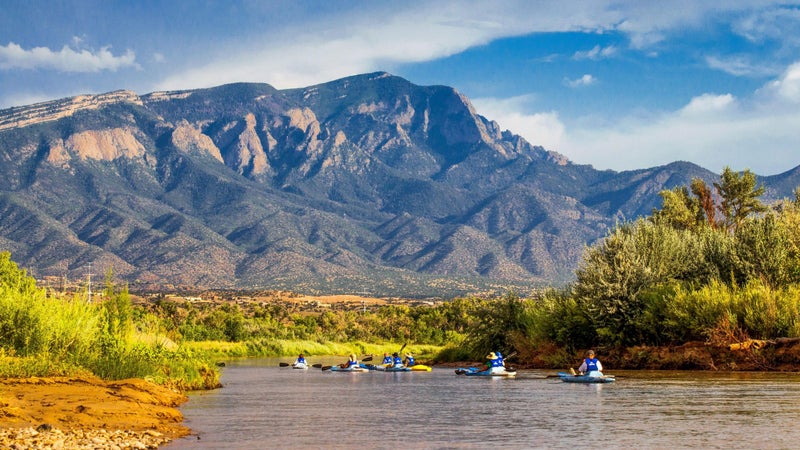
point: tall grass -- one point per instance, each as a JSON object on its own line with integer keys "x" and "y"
{"x": 292, "y": 348}
{"x": 47, "y": 335}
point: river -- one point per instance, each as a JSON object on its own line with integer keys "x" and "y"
{"x": 264, "y": 406}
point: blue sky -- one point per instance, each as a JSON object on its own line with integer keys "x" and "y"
{"x": 616, "y": 84}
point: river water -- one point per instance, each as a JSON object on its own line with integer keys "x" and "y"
{"x": 263, "y": 406}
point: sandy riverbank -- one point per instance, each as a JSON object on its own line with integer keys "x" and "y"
{"x": 86, "y": 412}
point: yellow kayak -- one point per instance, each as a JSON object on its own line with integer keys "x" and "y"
{"x": 420, "y": 368}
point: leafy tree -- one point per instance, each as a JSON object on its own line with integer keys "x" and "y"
{"x": 764, "y": 251}
{"x": 739, "y": 197}
{"x": 705, "y": 200}
{"x": 628, "y": 262}
{"x": 679, "y": 209}
{"x": 496, "y": 321}
{"x": 15, "y": 279}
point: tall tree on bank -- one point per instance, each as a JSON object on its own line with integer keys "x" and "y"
{"x": 738, "y": 194}
{"x": 706, "y": 202}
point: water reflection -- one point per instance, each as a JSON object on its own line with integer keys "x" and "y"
{"x": 263, "y": 406}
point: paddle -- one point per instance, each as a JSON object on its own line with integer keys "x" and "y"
{"x": 511, "y": 355}
{"x": 317, "y": 366}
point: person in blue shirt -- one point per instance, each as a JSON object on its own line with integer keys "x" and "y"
{"x": 591, "y": 366}
{"x": 353, "y": 361}
{"x": 409, "y": 360}
{"x": 396, "y": 360}
{"x": 495, "y": 362}
{"x": 387, "y": 360}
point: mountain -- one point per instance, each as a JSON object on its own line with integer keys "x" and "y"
{"x": 365, "y": 184}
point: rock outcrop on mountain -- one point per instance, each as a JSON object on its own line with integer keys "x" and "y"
{"x": 365, "y": 184}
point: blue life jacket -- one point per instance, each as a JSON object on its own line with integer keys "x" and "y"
{"x": 410, "y": 360}
{"x": 387, "y": 359}
{"x": 398, "y": 361}
{"x": 497, "y": 362}
{"x": 352, "y": 363}
{"x": 591, "y": 364}
{"x": 300, "y": 361}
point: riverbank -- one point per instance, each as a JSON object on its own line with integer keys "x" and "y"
{"x": 86, "y": 412}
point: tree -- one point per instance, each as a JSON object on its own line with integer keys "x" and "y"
{"x": 631, "y": 260}
{"x": 678, "y": 209}
{"x": 705, "y": 200}
{"x": 739, "y": 197}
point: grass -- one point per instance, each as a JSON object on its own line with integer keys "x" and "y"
{"x": 292, "y": 348}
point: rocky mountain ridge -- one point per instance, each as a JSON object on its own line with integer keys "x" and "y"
{"x": 365, "y": 184}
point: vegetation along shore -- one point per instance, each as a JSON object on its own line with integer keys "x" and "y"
{"x": 710, "y": 281}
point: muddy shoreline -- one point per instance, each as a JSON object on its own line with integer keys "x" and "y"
{"x": 86, "y": 412}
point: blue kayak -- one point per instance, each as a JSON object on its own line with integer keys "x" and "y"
{"x": 348, "y": 369}
{"x": 569, "y": 378}
{"x": 393, "y": 368}
{"x": 474, "y": 372}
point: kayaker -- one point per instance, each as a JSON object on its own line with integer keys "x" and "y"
{"x": 409, "y": 360}
{"x": 591, "y": 366}
{"x": 300, "y": 360}
{"x": 492, "y": 364}
{"x": 496, "y": 362}
{"x": 396, "y": 360}
{"x": 387, "y": 359}
{"x": 353, "y": 361}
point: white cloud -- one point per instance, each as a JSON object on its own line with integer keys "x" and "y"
{"x": 741, "y": 66}
{"x": 712, "y": 131}
{"x": 708, "y": 104}
{"x": 784, "y": 90}
{"x": 543, "y": 129}
{"x": 585, "y": 80}
{"x": 13, "y": 56}
{"x": 596, "y": 53}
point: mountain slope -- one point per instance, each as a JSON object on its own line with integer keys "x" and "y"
{"x": 364, "y": 184}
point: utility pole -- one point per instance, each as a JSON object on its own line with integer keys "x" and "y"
{"x": 89, "y": 299}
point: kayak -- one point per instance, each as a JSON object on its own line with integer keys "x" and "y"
{"x": 348, "y": 369}
{"x": 384, "y": 368}
{"x": 473, "y": 372}
{"x": 393, "y": 368}
{"x": 301, "y": 366}
{"x": 569, "y": 378}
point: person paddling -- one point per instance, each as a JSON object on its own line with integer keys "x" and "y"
{"x": 387, "y": 360}
{"x": 353, "y": 361}
{"x": 591, "y": 366}
{"x": 397, "y": 361}
{"x": 300, "y": 360}
{"x": 409, "y": 360}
